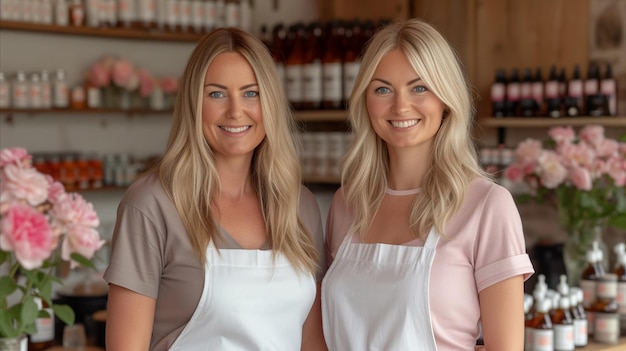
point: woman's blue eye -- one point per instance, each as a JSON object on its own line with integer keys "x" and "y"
{"x": 382, "y": 90}
{"x": 251, "y": 94}
{"x": 420, "y": 89}
{"x": 216, "y": 94}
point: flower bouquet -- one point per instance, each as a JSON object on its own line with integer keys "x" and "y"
{"x": 41, "y": 225}
{"x": 584, "y": 176}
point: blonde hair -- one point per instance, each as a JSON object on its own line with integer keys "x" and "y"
{"x": 454, "y": 159}
{"x": 187, "y": 168}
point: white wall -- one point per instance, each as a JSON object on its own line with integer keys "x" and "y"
{"x": 110, "y": 133}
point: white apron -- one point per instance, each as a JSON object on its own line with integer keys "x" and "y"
{"x": 375, "y": 297}
{"x": 249, "y": 302}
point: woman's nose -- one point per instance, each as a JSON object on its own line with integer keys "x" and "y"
{"x": 400, "y": 103}
{"x": 234, "y": 108}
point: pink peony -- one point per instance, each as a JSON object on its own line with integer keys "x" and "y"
{"x": 26, "y": 231}
{"x": 607, "y": 148}
{"x": 82, "y": 240}
{"x": 514, "y": 173}
{"x": 528, "y": 151}
{"x": 56, "y": 190}
{"x": 592, "y": 134}
{"x": 99, "y": 75}
{"x": 25, "y": 184}
{"x": 553, "y": 173}
{"x": 562, "y": 134}
{"x": 123, "y": 72}
{"x": 581, "y": 178}
{"x": 169, "y": 84}
{"x": 74, "y": 210}
{"x": 15, "y": 155}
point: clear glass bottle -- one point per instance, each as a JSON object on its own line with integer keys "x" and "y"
{"x": 60, "y": 90}
{"x": 19, "y": 93}
{"x": 581, "y": 333}
{"x": 34, "y": 91}
{"x": 46, "y": 90}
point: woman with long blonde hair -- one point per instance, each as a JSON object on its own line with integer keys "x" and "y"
{"x": 423, "y": 246}
{"x": 218, "y": 247}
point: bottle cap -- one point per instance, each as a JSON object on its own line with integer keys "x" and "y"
{"x": 564, "y": 302}
{"x": 543, "y": 306}
{"x": 563, "y": 288}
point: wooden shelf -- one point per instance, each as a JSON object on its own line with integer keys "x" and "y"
{"x": 321, "y": 115}
{"x": 130, "y": 112}
{"x": 120, "y": 33}
{"x": 542, "y": 122}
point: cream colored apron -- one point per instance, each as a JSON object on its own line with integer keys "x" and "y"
{"x": 249, "y": 302}
{"x": 375, "y": 297}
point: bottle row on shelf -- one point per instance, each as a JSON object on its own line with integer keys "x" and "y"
{"x": 194, "y": 16}
{"x": 85, "y": 171}
{"x": 321, "y": 154}
{"x": 565, "y": 318}
{"x": 529, "y": 95}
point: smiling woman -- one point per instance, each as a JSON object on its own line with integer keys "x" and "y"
{"x": 195, "y": 236}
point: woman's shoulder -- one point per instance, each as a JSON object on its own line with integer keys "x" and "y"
{"x": 485, "y": 187}
{"x": 145, "y": 190}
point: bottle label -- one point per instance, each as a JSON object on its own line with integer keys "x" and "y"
{"x": 591, "y": 87}
{"x": 498, "y": 91}
{"x": 350, "y": 71}
{"x": 621, "y": 297}
{"x": 589, "y": 291}
{"x": 591, "y": 322}
{"x": 293, "y": 80}
{"x": 312, "y": 85}
{"x": 332, "y": 81}
{"x": 513, "y": 91}
{"x": 580, "y": 332}
{"x": 606, "y": 289}
{"x": 563, "y": 336}
{"x": 543, "y": 340}
{"x": 552, "y": 89}
{"x": 606, "y": 328}
{"x": 575, "y": 88}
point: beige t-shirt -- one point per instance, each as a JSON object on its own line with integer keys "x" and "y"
{"x": 152, "y": 254}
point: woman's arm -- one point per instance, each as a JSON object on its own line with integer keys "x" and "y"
{"x": 502, "y": 315}
{"x": 312, "y": 334}
{"x": 130, "y": 316}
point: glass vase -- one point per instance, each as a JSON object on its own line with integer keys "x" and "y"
{"x": 581, "y": 239}
{"x": 17, "y": 343}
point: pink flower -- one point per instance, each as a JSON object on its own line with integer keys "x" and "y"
{"x": 514, "y": 173}
{"x": 580, "y": 154}
{"x": 15, "y": 155}
{"x": 56, "y": 190}
{"x": 74, "y": 210}
{"x": 607, "y": 148}
{"x": 26, "y": 231}
{"x": 123, "y": 72}
{"x": 169, "y": 84}
{"x": 99, "y": 75}
{"x": 146, "y": 83}
{"x": 617, "y": 170}
{"x": 82, "y": 240}
{"x": 581, "y": 178}
{"x": 553, "y": 173}
{"x": 528, "y": 151}
{"x": 562, "y": 134}
{"x": 25, "y": 184}
{"x": 593, "y": 134}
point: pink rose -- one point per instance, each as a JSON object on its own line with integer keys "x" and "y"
{"x": 14, "y": 155}
{"x": 593, "y": 134}
{"x": 26, "y": 231}
{"x": 56, "y": 190}
{"x": 514, "y": 172}
{"x": 73, "y": 209}
{"x": 616, "y": 169}
{"x": 99, "y": 75}
{"x": 553, "y": 173}
{"x": 123, "y": 72}
{"x": 562, "y": 134}
{"x": 580, "y": 154}
{"x": 82, "y": 240}
{"x": 169, "y": 84}
{"x": 581, "y": 178}
{"x": 25, "y": 184}
{"x": 607, "y": 148}
{"x": 528, "y": 151}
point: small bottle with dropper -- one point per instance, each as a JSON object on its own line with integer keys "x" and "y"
{"x": 589, "y": 279}
{"x": 620, "y": 271}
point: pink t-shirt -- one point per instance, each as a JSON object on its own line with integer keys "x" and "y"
{"x": 482, "y": 244}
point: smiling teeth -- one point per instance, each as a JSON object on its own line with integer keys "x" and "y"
{"x": 404, "y": 124}
{"x": 235, "y": 129}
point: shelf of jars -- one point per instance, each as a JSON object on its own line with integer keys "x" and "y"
{"x": 9, "y": 112}
{"x": 321, "y": 115}
{"x": 542, "y": 122}
{"x": 118, "y": 32}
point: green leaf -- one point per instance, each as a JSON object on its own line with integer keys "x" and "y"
{"x": 4, "y": 256}
{"x": 618, "y": 221}
{"x": 64, "y": 313}
{"x": 7, "y": 327}
{"x": 7, "y": 287}
{"x": 82, "y": 260}
{"x": 29, "y": 311}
